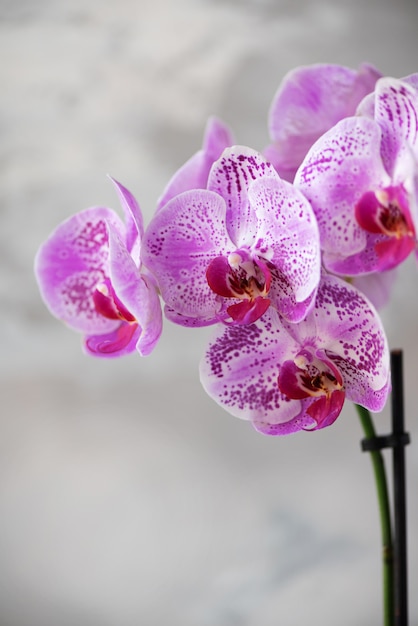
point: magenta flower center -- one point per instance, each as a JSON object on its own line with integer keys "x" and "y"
{"x": 108, "y": 304}
{"x": 386, "y": 211}
{"x": 308, "y": 377}
{"x": 243, "y": 277}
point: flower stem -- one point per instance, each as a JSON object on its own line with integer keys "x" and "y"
{"x": 385, "y": 519}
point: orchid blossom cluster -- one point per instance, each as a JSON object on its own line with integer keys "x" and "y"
{"x": 281, "y": 250}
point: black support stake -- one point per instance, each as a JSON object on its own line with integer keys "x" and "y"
{"x": 399, "y": 492}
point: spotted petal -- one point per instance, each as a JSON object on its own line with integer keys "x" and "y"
{"x": 230, "y": 177}
{"x": 396, "y": 112}
{"x": 288, "y": 237}
{"x": 179, "y": 243}
{"x": 239, "y": 371}
{"x": 340, "y": 167}
{"x": 71, "y": 263}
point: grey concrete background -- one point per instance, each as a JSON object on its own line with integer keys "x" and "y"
{"x": 126, "y": 496}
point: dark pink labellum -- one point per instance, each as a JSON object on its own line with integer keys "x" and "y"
{"x": 248, "y": 311}
{"x": 306, "y": 377}
{"x": 108, "y": 304}
{"x": 241, "y": 277}
{"x": 393, "y": 251}
{"x": 112, "y": 343}
{"x": 386, "y": 212}
{"x": 217, "y": 276}
{"x": 326, "y": 410}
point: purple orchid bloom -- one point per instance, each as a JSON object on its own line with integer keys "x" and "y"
{"x": 361, "y": 179}
{"x": 248, "y": 241}
{"x": 310, "y": 100}
{"x": 194, "y": 173}
{"x": 393, "y": 105}
{"x": 289, "y": 377}
{"x": 89, "y": 275}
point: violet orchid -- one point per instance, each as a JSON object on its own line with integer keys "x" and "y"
{"x": 89, "y": 275}
{"x": 288, "y": 377}
{"x": 310, "y": 100}
{"x": 228, "y": 252}
{"x": 361, "y": 179}
{"x": 194, "y": 173}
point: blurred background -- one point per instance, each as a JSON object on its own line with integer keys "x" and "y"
{"x": 127, "y": 497}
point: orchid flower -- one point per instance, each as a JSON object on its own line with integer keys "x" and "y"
{"x": 310, "y": 100}
{"x": 228, "y": 252}
{"x": 90, "y": 276}
{"x": 361, "y": 179}
{"x": 194, "y": 173}
{"x": 288, "y": 377}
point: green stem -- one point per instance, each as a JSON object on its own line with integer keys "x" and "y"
{"x": 385, "y": 520}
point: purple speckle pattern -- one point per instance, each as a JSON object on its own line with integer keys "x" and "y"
{"x": 341, "y": 166}
{"x": 231, "y": 177}
{"x": 71, "y": 263}
{"x": 396, "y": 112}
{"x": 241, "y": 367}
{"x": 179, "y": 243}
{"x": 288, "y": 233}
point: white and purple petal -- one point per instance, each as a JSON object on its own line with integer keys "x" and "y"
{"x": 70, "y": 265}
{"x": 240, "y": 369}
{"x": 341, "y": 166}
{"x": 231, "y": 177}
{"x": 396, "y": 112}
{"x": 179, "y": 243}
{"x": 288, "y": 237}
{"x": 283, "y": 299}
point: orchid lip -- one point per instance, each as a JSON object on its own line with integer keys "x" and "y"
{"x": 307, "y": 375}
{"x": 242, "y": 277}
{"x": 386, "y": 212}
{"x": 316, "y": 380}
{"x": 108, "y": 304}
